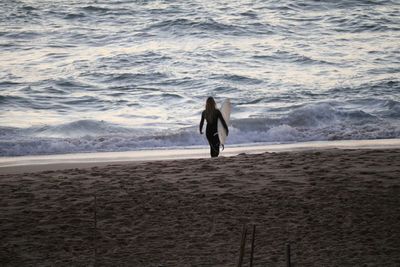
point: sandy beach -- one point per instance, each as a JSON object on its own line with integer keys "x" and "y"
{"x": 335, "y": 207}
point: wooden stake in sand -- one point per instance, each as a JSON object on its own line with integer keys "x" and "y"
{"x": 95, "y": 231}
{"x": 242, "y": 245}
{"x": 252, "y": 245}
{"x": 288, "y": 264}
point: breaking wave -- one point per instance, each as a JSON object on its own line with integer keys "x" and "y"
{"x": 319, "y": 121}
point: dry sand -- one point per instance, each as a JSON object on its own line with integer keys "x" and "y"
{"x": 335, "y": 207}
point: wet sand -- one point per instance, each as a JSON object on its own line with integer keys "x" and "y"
{"x": 335, "y": 207}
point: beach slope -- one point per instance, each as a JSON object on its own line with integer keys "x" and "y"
{"x": 335, "y": 207}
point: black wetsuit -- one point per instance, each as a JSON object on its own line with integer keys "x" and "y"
{"x": 212, "y": 131}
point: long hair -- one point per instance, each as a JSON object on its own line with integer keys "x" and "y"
{"x": 210, "y": 109}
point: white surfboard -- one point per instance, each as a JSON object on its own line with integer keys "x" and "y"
{"x": 225, "y": 109}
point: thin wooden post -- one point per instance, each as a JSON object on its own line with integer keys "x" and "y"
{"x": 242, "y": 245}
{"x": 252, "y": 245}
{"x": 288, "y": 263}
{"x": 95, "y": 231}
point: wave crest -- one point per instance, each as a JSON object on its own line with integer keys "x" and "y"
{"x": 313, "y": 122}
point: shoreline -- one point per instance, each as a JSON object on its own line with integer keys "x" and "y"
{"x": 37, "y": 163}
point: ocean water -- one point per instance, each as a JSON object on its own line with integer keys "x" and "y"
{"x": 117, "y": 75}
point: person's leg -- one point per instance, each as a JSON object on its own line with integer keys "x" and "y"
{"x": 214, "y": 151}
{"x": 211, "y": 151}
{"x": 214, "y": 146}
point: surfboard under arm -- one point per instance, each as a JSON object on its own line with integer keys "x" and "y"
{"x": 226, "y": 113}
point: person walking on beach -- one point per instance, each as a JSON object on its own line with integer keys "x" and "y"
{"x": 211, "y": 114}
